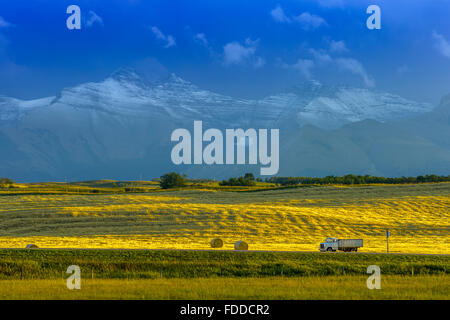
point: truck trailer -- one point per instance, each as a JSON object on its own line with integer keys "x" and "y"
{"x": 335, "y": 244}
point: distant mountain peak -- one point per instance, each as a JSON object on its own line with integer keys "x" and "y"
{"x": 125, "y": 74}
{"x": 174, "y": 82}
{"x": 128, "y": 74}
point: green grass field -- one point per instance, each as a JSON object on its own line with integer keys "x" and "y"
{"x": 145, "y": 264}
{"x": 273, "y": 288}
{"x": 144, "y": 274}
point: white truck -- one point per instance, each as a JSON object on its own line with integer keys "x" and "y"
{"x": 346, "y": 245}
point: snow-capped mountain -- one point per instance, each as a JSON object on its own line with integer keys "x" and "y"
{"x": 330, "y": 107}
{"x": 126, "y": 93}
{"x": 120, "y": 127}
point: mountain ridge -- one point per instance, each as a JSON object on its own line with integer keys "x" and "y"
{"x": 327, "y": 107}
{"x": 120, "y": 128}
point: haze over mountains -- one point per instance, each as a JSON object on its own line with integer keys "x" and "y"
{"x": 120, "y": 128}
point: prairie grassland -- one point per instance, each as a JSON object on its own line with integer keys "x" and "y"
{"x": 331, "y": 287}
{"x": 151, "y": 264}
{"x": 418, "y": 217}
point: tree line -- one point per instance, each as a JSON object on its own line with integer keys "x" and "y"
{"x": 356, "y": 179}
{"x": 175, "y": 180}
{"x": 245, "y": 181}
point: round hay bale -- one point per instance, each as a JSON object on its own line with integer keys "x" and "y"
{"x": 216, "y": 243}
{"x": 241, "y": 245}
{"x": 31, "y": 246}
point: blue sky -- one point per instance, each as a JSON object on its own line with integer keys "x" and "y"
{"x": 241, "y": 48}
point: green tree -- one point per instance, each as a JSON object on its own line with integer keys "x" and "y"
{"x": 241, "y": 181}
{"x": 172, "y": 180}
{"x": 249, "y": 176}
{"x": 5, "y": 182}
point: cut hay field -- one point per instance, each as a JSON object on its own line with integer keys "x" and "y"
{"x": 288, "y": 219}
